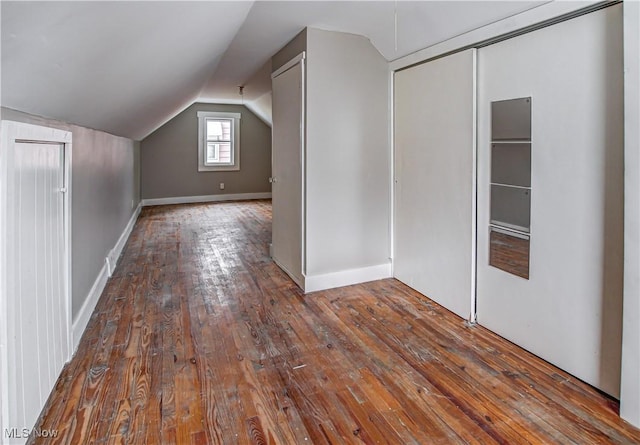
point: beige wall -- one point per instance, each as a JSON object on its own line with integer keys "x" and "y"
{"x": 105, "y": 192}
{"x": 169, "y": 157}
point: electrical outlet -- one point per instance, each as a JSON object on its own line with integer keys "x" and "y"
{"x": 222, "y": 186}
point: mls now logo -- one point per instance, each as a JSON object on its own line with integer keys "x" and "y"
{"x": 18, "y": 433}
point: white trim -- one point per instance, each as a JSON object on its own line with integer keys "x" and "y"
{"x": 473, "y": 308}
{"x": 392, "y": 168}
{"x": 303, "y": 161}
{"x": 235, "y": 141}
{"x": 205, "y": 198}
{"x": 4, "y": 324}
{"x": 347, "y": 277}
{"x": 68, "y": 214}
{"x": 114, "y": 254}
{"x": 85, "y": 312}
{"x": 290, "y": 64}
{"x": 219, "y": 114}
{"x": 4, "y": 334}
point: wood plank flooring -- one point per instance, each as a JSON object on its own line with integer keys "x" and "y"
{"x": 199, "y": 338}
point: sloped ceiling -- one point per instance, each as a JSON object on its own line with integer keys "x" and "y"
{"x": 121, "y": 67}
{"x": 271, "y": 24}
{"x": 128, "y": 67}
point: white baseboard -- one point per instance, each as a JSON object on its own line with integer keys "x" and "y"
{"x": 315, "y": 283}
{"x": 114, "y": 254}
{"x": 205, "y": 198}
{"x": 82, "y": 318}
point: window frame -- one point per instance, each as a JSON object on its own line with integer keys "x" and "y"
{"x": 203, "y": 116}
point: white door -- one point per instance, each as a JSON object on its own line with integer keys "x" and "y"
{"x": 35, "y": 298}
{"x": 434, "y": 226}
{"x": 287, "y": 169}
{"x": 569, "y": 310}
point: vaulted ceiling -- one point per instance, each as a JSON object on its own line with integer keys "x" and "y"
{"x": 128, "y": 67}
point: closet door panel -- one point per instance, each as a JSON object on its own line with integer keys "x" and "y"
{"x": 567, "y": 308}
{"x": 434, "y": 229}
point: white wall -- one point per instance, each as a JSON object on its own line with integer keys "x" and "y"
{"x": 630, "y": 386}
{"x": 570, "y": 310}
{"x": 348, "y": 156}
{"x": 531, "y": 17}
{"x": 105, "y": 182}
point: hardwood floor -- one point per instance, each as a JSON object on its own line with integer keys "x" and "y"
{"x": 199, "y": 338}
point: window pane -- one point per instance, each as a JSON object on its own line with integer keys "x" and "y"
{"x": 226, "y": 130}
{"x": 214, "y": 129}
{"x": 225, "y": 153}
{"x": 218, "y": 129}
{"x": 213, "y": 152}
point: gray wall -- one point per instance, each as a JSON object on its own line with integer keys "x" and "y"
{"x": 169, "y": 157}
{"x": 290, "y": 50}
{"x": 105, "y": 192}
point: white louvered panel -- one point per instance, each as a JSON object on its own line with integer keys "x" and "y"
{"x": 35, "y": 300}
{"x": 40, "y": 299}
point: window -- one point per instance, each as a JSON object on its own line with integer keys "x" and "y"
{"x": 218, "y": 141}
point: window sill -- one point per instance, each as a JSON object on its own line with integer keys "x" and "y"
{"x": 218, "y": 168}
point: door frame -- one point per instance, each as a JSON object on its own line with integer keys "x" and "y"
{"x": 10, "y": 133}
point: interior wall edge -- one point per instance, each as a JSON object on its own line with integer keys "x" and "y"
{"x": 630, "y": 383}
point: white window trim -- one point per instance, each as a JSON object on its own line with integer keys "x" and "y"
{"x": 235, "y": 141}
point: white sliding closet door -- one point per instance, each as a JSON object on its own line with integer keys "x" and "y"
{"x": 569, "y": 310}
{"x": 35, "y": 301}
{"x": 434, "y": 225}
{"x": 287, "y": 169}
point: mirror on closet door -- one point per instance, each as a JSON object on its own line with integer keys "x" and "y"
{"x": 509, "y": 251}
{"x": 510, "y": 204}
